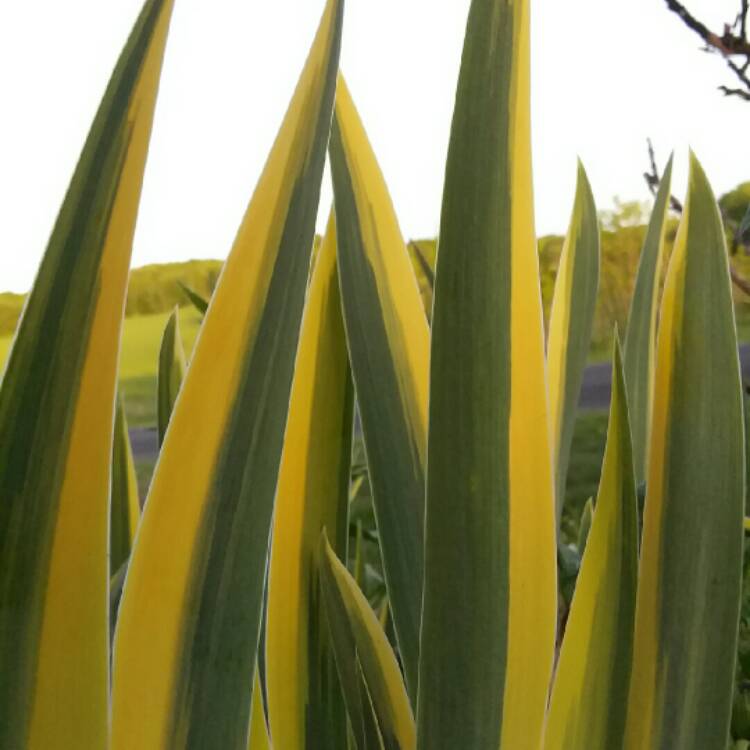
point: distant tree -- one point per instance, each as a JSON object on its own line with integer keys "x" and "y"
{"x": 732, "y": 44}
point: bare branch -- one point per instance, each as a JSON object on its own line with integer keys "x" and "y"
{"x": 732, "y": 43}
{"x": 653, "y": 179}
{"x": 735, "y": 92}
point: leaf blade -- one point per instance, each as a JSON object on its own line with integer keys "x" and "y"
{"x": 640, "y": 341}
{"x": 571, "y": 323}
{"x": 171, "y": 373}
{"x": 589, "y": 695}
{"x": 691, "y": 549}
{"x": 125, "y": 505}
{"x": 487, "y": 640}
{"x": 187, "y": 636}
{"x": 304, "y": 701}
{"x": 57, "y": 411}
{"x": 388, "y": 341}
{"x": 347, "y": 607}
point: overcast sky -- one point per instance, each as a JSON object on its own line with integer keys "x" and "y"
{"x": 606, "y": 74}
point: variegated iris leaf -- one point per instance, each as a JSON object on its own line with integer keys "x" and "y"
{"x": 188, "y": 629}
{"x": 571, "y": 323}
{"x": 590, "y": 692}
{"x": 56, "y": 418}
{"x": 691, "y": 554}
{"x": 305, "y": 705}
{"x": 388, "y": 341}
{"x": 357, "y": 634}
{"x": 170, "y": 374}
{"x": 640, "y": 342}
{"x": 125, "y": 507}
{"x": 489, "y": 612}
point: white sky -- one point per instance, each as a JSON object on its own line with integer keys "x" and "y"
{"x": 606, "y": 74}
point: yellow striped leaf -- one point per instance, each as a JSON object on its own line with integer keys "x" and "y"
{"x": 590, "y": 692}
{"x": 584, "y": 525}
{"x": 571, "y": 323}
{"x": 691, "y": 553}
{"x": 125, "y": 506}
{"x": 258, "y": 730}
{"x": 304, "y": 701}
{"x": 388, "y": 342}
{"x": 187, "y": 635}
{"x": 640, "y": 342}
{"x": 56, "y": 418}
{"x": 489, "y": 613}
{"x": 352, "y": 621}
{"x": 170, "y": 374}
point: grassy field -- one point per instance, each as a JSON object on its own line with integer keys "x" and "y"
{"x": 138, "y": 360}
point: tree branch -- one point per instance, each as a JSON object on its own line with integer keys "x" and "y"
{"x": 733, "y": 42}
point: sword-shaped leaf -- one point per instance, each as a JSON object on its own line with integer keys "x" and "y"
{"x": 258, "y": 730}
{"x": 691, "y": 554}
{"x": 199, "y": 302}
{"x": 170, "y": 375}
{"x": 489, "y": 613}
{"x": 187, "y": 636}
{"x": 590, "y": 693}
{"x": 640, "y": 341}
{"x": 57, "y": 406}
{"x": 571, "y": 322}
{"x": 352, "y": 621}
{"x": 388, "y": 342}
{"x": 125, "y": 506}
{"x": 305, "y": 706}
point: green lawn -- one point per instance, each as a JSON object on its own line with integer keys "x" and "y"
{"x": 141, "y": 339}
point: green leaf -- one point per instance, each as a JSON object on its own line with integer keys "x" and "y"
{"x": 640, "y": 342}
{"x": 571, "y": 323}
{"x": 187, "y": 637}
{"x": 388, "y": 341}
{"x": 171, "y": 373}
{"x": 488, "y": 636}
{"x": 305, "y": 706}
{"x": 125, "y": 508}
{"x": 57, "y": 403}
{"x": 355, "y": 627}
{"x": 589, "y": 697}
{"x": 691, "y": 555}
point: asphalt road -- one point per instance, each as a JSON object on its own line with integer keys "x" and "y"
{"x": 595, "y": 394}
{"x": 597, "y": 381}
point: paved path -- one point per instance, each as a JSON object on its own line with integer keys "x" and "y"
{"x": 595, "y": 394}
{"x": 597, "y": 381}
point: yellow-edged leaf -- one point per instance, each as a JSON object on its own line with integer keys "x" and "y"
{"x": 388, "y": 341}
{"x": 305, "y": 706}
{"x": 352, "y": 621}
{"x": 489, "y": 612}
{"x": 571, "y": 323}
{"x": 590, "y": 693}
{"x": 57, "y": 405}
{"x": 691, "y": 551}
{"x": 125, "y": 508}
{"x": 640, "y": 342}
{"x": 187, "y": 635}
{"x": 258, "y": 729}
